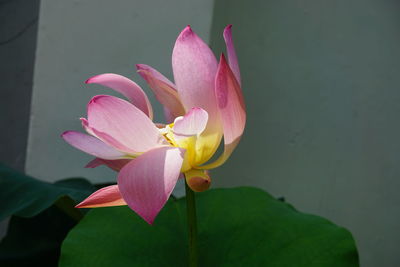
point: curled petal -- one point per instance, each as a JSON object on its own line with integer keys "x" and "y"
{"x": 104, "y": 197}
{"x": 232, "y": 110}
{"x": 122, "y": 125}
{"x": 91, "y": 145}
{"x": 232, "y": 57}
{"x": 85, "y": 125}
{"x": 198, "y": 180}
{"x": 148, "y": 72}
{"x": 147, "y": 181}
{"x": 193, "y": 123}
{"x": 126, "y": 87}
{"x": 115, "y": 165}
{"x": 163, "y": 89}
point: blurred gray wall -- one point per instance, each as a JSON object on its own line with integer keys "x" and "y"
{"x": 322, "y": 87}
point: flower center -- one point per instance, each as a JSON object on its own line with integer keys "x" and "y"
{"x": 189, "y": 144}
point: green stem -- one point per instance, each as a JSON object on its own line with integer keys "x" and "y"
{"x": 192, "y": 225}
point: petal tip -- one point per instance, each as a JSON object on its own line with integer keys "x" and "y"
{"x": 141, "y": 69}
{"x": 64, "y": 133}
{"x": 222, "y": 58}
{"x": 91, "y": 79}
{"x": 149, "y": 221}
{"x": 186, "y": 33}
{"x": 98, "y": 78}
{"x": 96, "y": 98}
{"x": 228, "y": 27}
{"x": 79, "y": 206}
{"x": 83, "y": 205}
{"x": 227, "y": 32}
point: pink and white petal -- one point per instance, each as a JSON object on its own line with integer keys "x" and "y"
{"x": 126, "y": 87}
{"x": 115, "y": 165}
{"x": 195, "y": 66}
{"x": 193, "y": 123}
{"x": 91, "y": 145}
{"x": 146, "y": 182}
{"x": 105, "y": 197}
{"x": 232, "y": 110}
{"x": 163, "y": 89}
{"x": 122, "y": 125}
{"x": 232, "y": 57}
{"x": 107, "y": 138}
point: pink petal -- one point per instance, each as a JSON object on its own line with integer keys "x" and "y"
{"x": 232, "y": 110}
{"x": 122, "y": 125}
{"x": 147, "y": 181}
{"x": 163, "y": 89}
{"x": 232, "y": 58}
{"x": 106, "y": 138}
{"x": 126, "y": 87}
{"x": 104, "y": 197}
{"x": 193, "y": 123}
{"x": 91, "y": 145}
{"x": 115, "y": 165}
{"x": 194, "y": 66}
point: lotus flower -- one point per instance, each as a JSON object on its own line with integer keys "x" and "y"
{"x": 204, "y": 105}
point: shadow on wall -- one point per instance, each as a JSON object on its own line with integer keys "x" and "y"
{"x": 18, "y": 31}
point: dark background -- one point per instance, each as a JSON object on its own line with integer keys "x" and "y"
{"x": 18, "y": 31}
